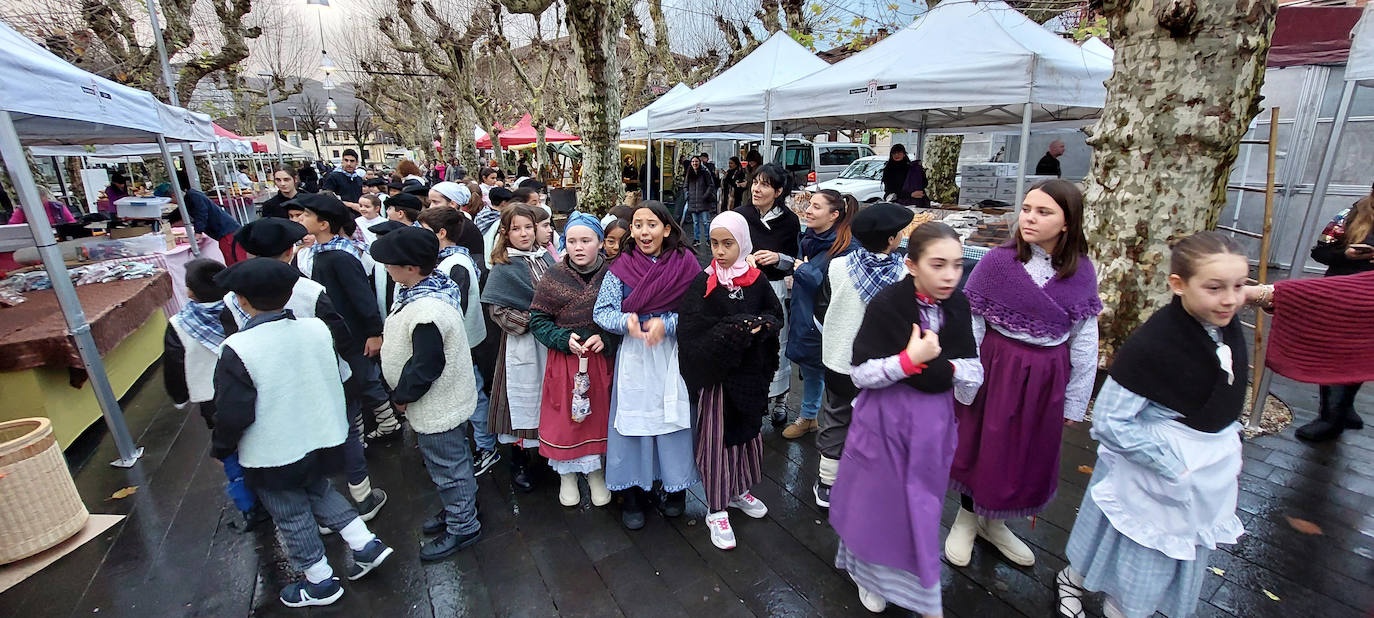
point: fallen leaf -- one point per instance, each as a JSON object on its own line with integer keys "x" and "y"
{"x": 124, "y": 493}
{"x": 1219, "y": 572}
{"x": 1085, "y": 469}
{"x": 1272, "y": 596}
{"x": 1304, "y": 526}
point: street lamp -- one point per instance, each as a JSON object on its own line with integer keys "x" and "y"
{"x": 272, "y": 111}
{"x": 330, "y": 107}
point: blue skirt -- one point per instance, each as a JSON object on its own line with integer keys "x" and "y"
{"x": 638, "y": 461}
{"x": 1140, "y": 580}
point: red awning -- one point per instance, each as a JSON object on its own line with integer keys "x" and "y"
{"x": 523, "y": 133}
{"x": 1312, "y": 35}
{"x": 259, "y": 147}
{"x": 223, "y": 132}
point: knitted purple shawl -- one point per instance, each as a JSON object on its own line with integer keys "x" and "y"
{"x": 1000, "y": 290}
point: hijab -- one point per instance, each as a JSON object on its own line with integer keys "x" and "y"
{"x": 739, "y": 274}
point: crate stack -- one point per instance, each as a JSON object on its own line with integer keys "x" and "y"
{"x": 991, "y": 181}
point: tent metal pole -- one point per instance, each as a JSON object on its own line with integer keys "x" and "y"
{"x": 1024, "y": 148}
{"x": 188, "y": 161}
{"x": 648, "y": 167}
{"x": 61, "y": 184}
{"x": 180, "y": 195}
{"x": 1314, "y": 207}
{"x": 13, "y": 154}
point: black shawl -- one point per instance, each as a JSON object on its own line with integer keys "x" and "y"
{"x": 886, "y": 329}
{"x": 894, "y": 175}
{"x": 780, "y": 235}
{"x": 1171, "y": 361}
{"x": 715, "y": 346}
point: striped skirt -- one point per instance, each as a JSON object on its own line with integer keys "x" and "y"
{"x": 726, "y": 472}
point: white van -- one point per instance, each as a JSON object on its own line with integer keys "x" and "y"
{"x": 811, "y": 162}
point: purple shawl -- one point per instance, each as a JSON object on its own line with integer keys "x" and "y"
{"x": 1000, "y": 290}
{"x": 656, "y": 286}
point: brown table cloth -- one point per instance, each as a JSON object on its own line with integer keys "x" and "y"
{"x": 34, "y": 333}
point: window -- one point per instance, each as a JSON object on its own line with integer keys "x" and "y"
{"x": 798, "y": 158}
{"x": 336, "y": 154}
{"x": 839, "y": 156}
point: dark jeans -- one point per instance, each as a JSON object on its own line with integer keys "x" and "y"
{"x": 450, "y": 467}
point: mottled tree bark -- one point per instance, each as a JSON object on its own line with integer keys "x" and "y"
{"x": 1185, "y": 86}
{"x": 595, "y": 25}
{"x": 941, "y": 160}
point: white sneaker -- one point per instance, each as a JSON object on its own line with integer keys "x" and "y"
{"x": 751, "y": 506}
{"x": 596, "y": 481}
{"x": 871, "y": 601}
{"x": 959, "y": 543}
{"x": 995, "y": 531}
{"x": 722, "y": 535}
{"x": 568, "y": 494}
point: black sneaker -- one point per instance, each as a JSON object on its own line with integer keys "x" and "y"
{"x": 367, "y": 509}
{"x": 520, "y": 470}
{"x": 368, "y": 558}
{"x": 435, "y": 524}
{"x": 674, "y": 504}
{"x": 483, "y": 460}
{"x": 778, "y": 416}
{"x": 446, "y": 545}
{"x": 822, "y": 491}
{"x": 306, "y": 594}
{"x": 632, "y": 509}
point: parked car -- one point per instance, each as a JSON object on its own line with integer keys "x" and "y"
{"x": 863, "y": 179}
{"x": 812, "y": 162}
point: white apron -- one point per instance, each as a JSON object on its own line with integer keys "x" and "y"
{"x": 525, "y": 359}
{"x": 1175, "y": 517}
{"x": 654, "y": 401}
{"x": 782, "y": 378}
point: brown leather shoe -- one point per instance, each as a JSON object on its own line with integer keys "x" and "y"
{"x": 799, "y": 428}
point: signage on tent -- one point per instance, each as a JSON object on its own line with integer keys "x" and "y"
{"x": 94, "y": 90}
{"x": 872, "y": 90}
{"x": 699, "y": 109}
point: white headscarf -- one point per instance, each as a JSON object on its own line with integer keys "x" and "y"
{"x": 456, "y": 193}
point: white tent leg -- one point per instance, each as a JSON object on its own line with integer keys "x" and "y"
{"x": 80, "y": 330}
{"x": 648, "y": 168}
{"x": 1025, "y": 146}
{"x": 1314, "y": 207}
{"x": 188, "y": 161}
{"x": 181, "y": 196}
{"x": 767, "y": 150}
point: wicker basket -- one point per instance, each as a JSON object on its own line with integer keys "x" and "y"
{"x": 39, "y": 506}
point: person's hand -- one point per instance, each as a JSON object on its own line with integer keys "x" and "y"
{"x": 399, "y": 407}
{"x": 632, "y": 327}
{"x": 654, "y": 331}
{"x": 307, "y": 240}
{"x": 764, "y": 257}
{"x": 594, "y": 345}
{"x": 1068, "y": 422}
{"x": 373, "y": 346}
{"x": 573, "y": 345}
{"x": 923, "y": 347}
{"x": 918, "y": 194}
{"x": 751, "y": 261}
{"x": 1359, "y": 251}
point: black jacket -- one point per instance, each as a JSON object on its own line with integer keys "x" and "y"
{"x": 348, "y": 286}
{"x": 715, "y": 346}
{"x": 348, "y": 187}
{"x": 273, "y": 206}
{"x": 1332, "y": 254}
{"x": 894, "y": 176}
{"x": 781, "y": 235}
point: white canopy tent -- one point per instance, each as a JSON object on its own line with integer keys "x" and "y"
{"x": 636, "y": 125}
{"x": 47, "y": 101}
{"x": 928, "y": 76}
{"x": 1097, "y": 46}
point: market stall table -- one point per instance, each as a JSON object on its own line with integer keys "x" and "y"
{"x": 40, "y": 371}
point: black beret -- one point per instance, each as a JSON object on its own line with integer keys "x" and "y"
{"x": 883, "y": 218}
{"x": 374, "y": 182}
{"x": 269, "y": 236}
{"x": 259, "y": 277}
{"x": 325, "y": 207}
{"x": 405, "y": 200}
{"x": 396, "y": 184}
{"x": 415, "y": 187}
{"x": 390, "y": 225}
{"x": 408, "y": 246}
{"x": 499, "y": 195}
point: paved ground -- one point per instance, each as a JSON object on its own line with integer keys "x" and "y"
{"x": 176, "y": 554}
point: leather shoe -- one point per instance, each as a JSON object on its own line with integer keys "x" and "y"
{"x": 446, "y": 545}
{"x": 435, "y": 524}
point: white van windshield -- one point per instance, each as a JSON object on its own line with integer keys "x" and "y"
{"x": 870, "y": 170}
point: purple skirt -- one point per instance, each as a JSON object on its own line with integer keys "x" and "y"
{"x": 726, "y": 471}
{"x": 1008, "y": 456}
{"x": 893, "y": 476}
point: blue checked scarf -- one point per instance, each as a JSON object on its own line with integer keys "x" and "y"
{"x": 872, "y": 272}
{"x": 231, "y": 300}
{"x": 201, "y": 322}
{"x": 436, "y": 285}
{"x": 486, "y": 218}
{"x": 448, "y": 252}
{"x": 338, "y": 243}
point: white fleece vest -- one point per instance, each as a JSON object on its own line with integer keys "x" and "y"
{"x": 198, "y": 364}
{"x": 473, "y": 323}
{"x": 452, "y": 398}
{"x": 300, "y": 396}
{"x": 842, "y": 318}
{"x": 304, "y": 295}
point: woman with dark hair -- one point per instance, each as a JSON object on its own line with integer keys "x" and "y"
{"x": 774, "y": 231}
{"x": 651, "y": 426}
{"x": 309, "y": 179}
{"x": 1035, "y": 309}
{"x": 732, "y": 191}
{"x": 701, "y": 198}
{"x": 904, "y": 179}
{"x": 827, "y": 236}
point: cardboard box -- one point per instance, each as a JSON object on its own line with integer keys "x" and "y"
{"x": 978, "y": 182}
{"x": 988, "y": 169}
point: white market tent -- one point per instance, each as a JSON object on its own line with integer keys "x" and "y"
{"x": 1097, "y": 46}
{"x": 928, "y": 76}
{"x": 737, "y": 100}
{"x": 636, "y": 125}
{"x": 47, "y": 101}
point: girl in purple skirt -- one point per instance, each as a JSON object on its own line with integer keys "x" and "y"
{"x": 913, "y": 356}
{"x": 1035, "y": 309}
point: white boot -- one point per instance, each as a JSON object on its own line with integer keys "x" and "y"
{"x": 995, "y": 531}
{"x": 959, "y": 543}
{"x": 596, "y": 481}
{"x": 871, "y": 601}
{"x": 568, "y": 494}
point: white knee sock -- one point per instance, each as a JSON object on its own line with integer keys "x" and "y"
{"x": 360, "y": 491}
{"x": 1075, "y": 577}
{"x": 356, "y": 534}
{"x": 830, "y": 469}
{"x": 319, "y": 571}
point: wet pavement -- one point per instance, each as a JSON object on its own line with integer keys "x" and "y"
{"x": 177, "y": 555}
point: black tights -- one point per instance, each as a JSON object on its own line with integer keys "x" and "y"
{"x": 966, "y": 502}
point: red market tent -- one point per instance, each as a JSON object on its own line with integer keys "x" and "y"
{"x": 523, "y": 133}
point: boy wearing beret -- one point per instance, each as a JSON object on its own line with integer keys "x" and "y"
{"x": 850, "y": 282}
{"x": 279, "y": 402}
{"x": 426, "y": 362}
{"x": 336, "y": 262}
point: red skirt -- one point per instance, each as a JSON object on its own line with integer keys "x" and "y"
{"x": 560, "y": 438}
